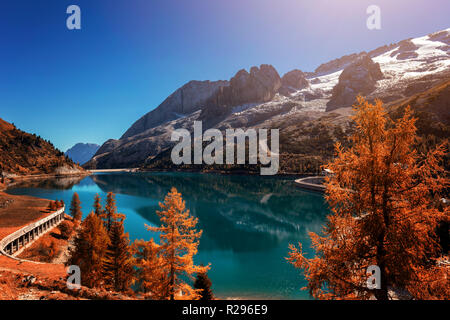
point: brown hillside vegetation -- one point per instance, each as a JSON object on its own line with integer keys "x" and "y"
{"x": 22, "y": 153}
{"x": 431, "y": 107}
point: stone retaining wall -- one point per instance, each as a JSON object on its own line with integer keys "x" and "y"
{"x": 16, "y": 242}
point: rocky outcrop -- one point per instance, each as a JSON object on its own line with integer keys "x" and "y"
{"x": 260, "y": 85}
{"x": 442, "y": 36}
{"x": 187, "y": 99}
{"x": 337, "y": 64}
{"x": 295, "y": 79}
{"x": 405, "y": 50}
{"x": 358, "y": 78}
{"x": 292, "y": 81}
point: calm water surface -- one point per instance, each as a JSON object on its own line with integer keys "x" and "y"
{"x": 247, "y": 222}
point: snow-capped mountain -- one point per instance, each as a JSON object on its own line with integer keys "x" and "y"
{"x": 305, "y": 106}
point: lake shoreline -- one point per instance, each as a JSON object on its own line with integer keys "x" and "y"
{"x": 247, "y": 221}
{"x": 234, "y": 172}
{"x": 10, "y": 182}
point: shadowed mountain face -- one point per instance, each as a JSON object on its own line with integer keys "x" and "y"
{"x": 311, "y": 109}
{"x": 82, "y": 152}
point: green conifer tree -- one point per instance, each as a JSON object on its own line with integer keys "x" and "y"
{"x": 203, "y": 284}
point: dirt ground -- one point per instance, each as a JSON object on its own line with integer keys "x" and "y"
{"x": 19, "y": 211}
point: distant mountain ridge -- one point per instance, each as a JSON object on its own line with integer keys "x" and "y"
{"x": 82, "y": 152}
{"x": 311, "y": 107}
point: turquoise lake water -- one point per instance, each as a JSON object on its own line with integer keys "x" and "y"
{"x": 247, "y": 222}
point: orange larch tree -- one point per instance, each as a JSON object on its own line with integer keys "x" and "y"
{"x": 110, "y": 214}
{"x": 75, "y": 208}
{"x": 118, "y": 261}
{"x": 98, "y": 209}
{"x": 384, "y": 198}
{"x": 151, "y": 279}
{"x": 88, "y": 252}
{"x": 179, "y": 244}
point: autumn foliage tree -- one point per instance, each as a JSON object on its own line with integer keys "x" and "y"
{"x": 110, "y": 214}
{"x": 151, "y": 278}
{"x": 179, "y": 240}
{"x": 98, "y": 209}
{"x": 75, "y": 208}
{"x": 54, "y": 205}
{"x": 89, "y": 250}
{"x": 384, "y": 198}
{"x": 118, "y": 262}
{"x": 66, "y": 229}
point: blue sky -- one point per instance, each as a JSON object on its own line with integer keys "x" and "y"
{"x": 90, "y": 85}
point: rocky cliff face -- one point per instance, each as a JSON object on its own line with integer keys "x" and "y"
{"x": 293, "y": 81}
{"x": 187, "y": 99}
{"x": 260, "y": 85}
{"x": 337, "y": 64}
{"x": 357, "y": 79}
{"x": 151, "y": 134}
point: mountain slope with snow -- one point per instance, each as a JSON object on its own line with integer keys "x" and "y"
{"x": 408, "y": 67}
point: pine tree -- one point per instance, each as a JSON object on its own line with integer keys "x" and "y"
{"x": 90, "y": 246}
{"x": 118, "y": 262}
{"x": 203, "y": 284}
{"x": 179, "y": 242}
{"x": 98, "y": 209}
{"x": 75, "y": 208}
{"x": 384, "y": 199}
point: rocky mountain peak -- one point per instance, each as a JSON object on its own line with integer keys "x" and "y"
{"x": 260, "y": 85}
{"x": 189, "y": 98}
{"x": 292, "y": 81}
{"x": 358, "y": 78}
